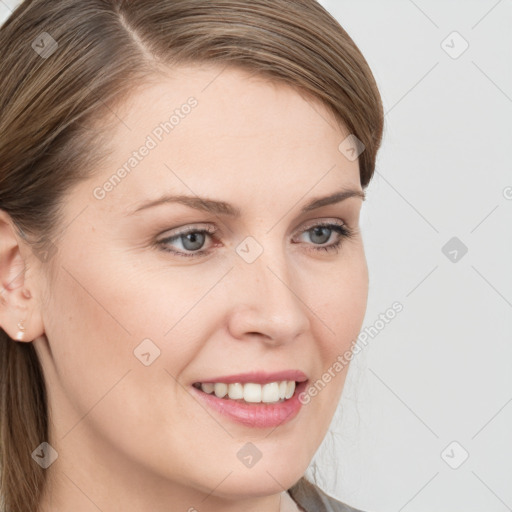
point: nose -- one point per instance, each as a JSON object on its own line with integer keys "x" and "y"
{"x": 269, "y": 303}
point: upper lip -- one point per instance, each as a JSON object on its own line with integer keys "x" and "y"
{"x": 259, "y": 377}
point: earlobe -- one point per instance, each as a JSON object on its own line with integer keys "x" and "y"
{"x": 19, "y": 312}
{"x": 21, "y": 331}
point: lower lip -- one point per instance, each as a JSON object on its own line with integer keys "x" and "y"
{"x": 258, "y": 415}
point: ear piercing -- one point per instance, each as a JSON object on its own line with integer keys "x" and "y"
{"x": 21, "y": 332}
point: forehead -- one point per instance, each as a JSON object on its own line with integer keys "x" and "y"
{"x": 224, "y": 97}
{"x": 222, "y": 132}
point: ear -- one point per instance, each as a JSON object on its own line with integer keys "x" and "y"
{"x": 20, "y": 315}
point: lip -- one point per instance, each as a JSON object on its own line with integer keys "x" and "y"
{"x": 255, "y": 415}
{"x": 259, "y": 377}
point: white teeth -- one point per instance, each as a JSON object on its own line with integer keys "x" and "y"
{"x": 290, "y": 389}
{"x": 221, "y": 390}
{"x": 282, "y": 389}
{"x": 270, "y": 393}
{"x": 252, "y": 392}
{"x": 208, "y": 387}
{"x": 236, "y": 391}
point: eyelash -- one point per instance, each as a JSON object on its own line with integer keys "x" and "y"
{"x": 342, "y": 229}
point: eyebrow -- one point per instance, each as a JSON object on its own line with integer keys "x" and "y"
{"x": 223, "y": 208}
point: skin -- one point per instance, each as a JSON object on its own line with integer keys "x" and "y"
{"x": 131, "y": 437}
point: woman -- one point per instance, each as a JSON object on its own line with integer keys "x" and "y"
{"x": 181, "y": 264}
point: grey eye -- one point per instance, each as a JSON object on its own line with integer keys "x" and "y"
{"x": 319, "y": 234}
{"x": 193, "y": 241}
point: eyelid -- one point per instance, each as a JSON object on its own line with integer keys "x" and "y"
{"x": 321, "y": 221}
{"x": 190, "y": 228}
{"x": 212, "y": 230}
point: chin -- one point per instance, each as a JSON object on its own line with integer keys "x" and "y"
{"x": 243, "y": 485}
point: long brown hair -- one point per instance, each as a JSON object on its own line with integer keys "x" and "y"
{"x": 66, "y": 64}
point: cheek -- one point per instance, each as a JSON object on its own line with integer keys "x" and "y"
{"x": 341, "y": 307}
{"x": 88, "y": 337}
{"x": 95, "y": 381}
{"x": 100, "y": 318}
{"x": 341, "y": 303}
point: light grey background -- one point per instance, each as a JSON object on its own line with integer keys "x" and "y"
{"x": 441, "y": 370}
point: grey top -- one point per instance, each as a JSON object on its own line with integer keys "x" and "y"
{"x": 312, "y": 499}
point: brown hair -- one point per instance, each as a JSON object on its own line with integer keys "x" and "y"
{"x": 66, "y": 64}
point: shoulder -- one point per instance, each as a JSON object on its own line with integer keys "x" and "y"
{"x": 312, "y": 499}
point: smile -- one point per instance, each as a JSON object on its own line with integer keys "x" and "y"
{"x": 251, "y": 392}
{"x": 255, "y": 400}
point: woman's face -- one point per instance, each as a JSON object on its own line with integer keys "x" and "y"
{"x": 137, "y": 317}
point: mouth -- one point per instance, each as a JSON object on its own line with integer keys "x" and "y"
{"x": 250, "y": 392}
{"x": 256, "y": 400}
